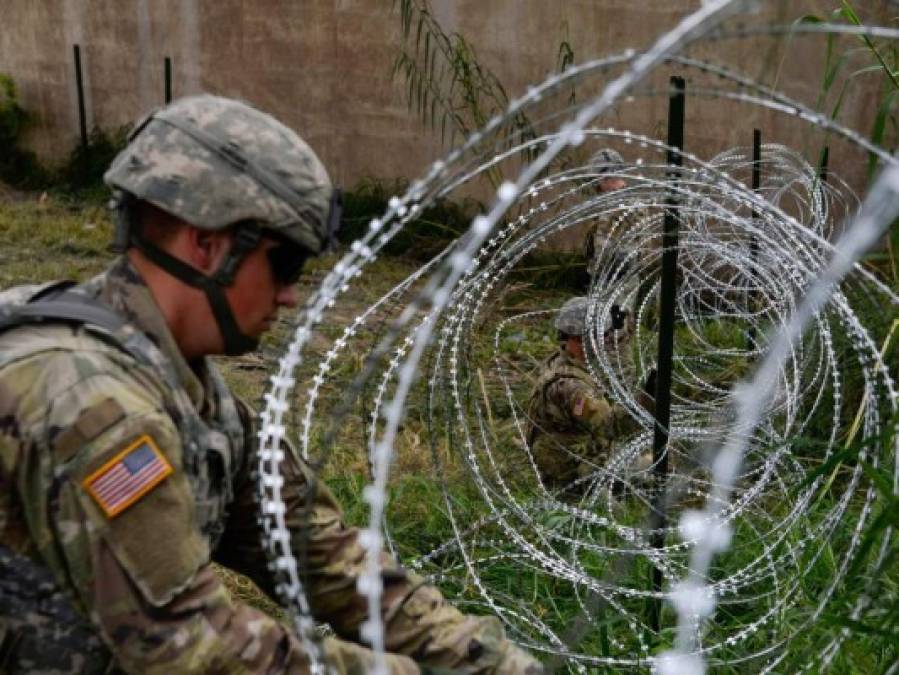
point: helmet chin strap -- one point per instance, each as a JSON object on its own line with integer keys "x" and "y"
{"x": 246, "y": 239}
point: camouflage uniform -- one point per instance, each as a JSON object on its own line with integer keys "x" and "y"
{"x": 40, "y": 631}
{"x": 609, "y": 250}
{"x": 602, "y": 250}
{"x": 70, "y": 402}
{"x": 572, "y": 426}
{"x": 125, "y": 470}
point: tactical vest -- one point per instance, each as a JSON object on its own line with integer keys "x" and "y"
{"x": 539, "y": 401}
{"x": 212, "y": 452}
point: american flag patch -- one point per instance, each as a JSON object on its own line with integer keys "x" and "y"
{"x": 128, "y": 476}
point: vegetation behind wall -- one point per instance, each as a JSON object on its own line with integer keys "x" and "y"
{"x": 81, "y": 174}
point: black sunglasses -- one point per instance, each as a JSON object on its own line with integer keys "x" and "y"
{"x": 287, "y": 260}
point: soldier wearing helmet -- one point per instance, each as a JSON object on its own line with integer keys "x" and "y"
{"x": 607, "y": 164}
{"x": 610, "y": 245}
{"x": 571, "y": 424}
{"x": 126, "y": 461}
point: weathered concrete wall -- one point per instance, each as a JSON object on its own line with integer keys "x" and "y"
{"x": 324, "y": 67}
{"x": 310, "y": 63}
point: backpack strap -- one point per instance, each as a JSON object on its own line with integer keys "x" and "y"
{"x": 59, "y": 303}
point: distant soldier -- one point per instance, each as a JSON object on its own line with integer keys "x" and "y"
{"x": 126, "y": 464}
{"x": 610, "y": 247}
{"x": 572, "y": 425}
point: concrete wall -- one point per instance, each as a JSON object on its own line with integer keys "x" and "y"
{"x": 324, "y": 66}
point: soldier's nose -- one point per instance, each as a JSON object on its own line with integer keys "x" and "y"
{"x": 288, "y": 296}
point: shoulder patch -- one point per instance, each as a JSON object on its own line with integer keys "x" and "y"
{"x": 128, "y": 476}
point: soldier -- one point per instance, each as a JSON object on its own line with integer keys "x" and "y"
{"x": 610, "y": 252}
{"x": 572, "y": 426}
{"x": 125, "y": 462}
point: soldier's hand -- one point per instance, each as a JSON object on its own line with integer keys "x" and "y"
{"x": 622, "y": 328}
{"x": 516, "y": 661}
{"x": 348, "y": 658}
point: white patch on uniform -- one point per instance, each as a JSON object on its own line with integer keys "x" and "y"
{"x": 579, "y": 404}
{"x": 180, "y": 638}
{"x": 252, "y": 649}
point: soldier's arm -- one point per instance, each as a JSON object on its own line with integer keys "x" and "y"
{"x": 129, "y": 552}
{"x": 586, "y": 408}
{"x": 419, "y": 622}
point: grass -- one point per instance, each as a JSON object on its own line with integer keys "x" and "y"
{"x": 51, "y": 237}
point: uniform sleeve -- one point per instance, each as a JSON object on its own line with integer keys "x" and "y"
{"x": 419, "y": 622}
{"x": 132, "y": 555}
{"x": 580, "y": 402}
{"x": 588, "y": 410}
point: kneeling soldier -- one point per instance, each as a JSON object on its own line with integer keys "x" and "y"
{"x": 572, "y": 426}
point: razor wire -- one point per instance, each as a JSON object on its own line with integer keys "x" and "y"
{"x": 774, "y": 318}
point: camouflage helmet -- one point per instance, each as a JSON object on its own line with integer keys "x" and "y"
{"x": 213, "y": 162}
{"x": 606, "y": 160}
{"x": 572, "y": 318}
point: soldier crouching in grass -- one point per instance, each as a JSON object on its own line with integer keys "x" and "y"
{"x": 126, "y": 461}
{"x": 571, "y": 425}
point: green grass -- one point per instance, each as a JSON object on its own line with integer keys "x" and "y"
{"x": 56, "y": 238}
{"x": 52, "y": 239}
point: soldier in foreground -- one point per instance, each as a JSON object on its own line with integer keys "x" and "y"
{"x": 126, "y": 463}
{"x": 572, "y": 426}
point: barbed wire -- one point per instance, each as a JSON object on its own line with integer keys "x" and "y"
{"x": 775, "y": 319}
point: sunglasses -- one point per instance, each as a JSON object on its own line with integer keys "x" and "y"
{"x": 287, "y": 260}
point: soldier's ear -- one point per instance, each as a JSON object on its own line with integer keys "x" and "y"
{"x": 206, "y": 249}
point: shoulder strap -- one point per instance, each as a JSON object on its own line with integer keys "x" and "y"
{"x": 58, "y": 303}
{"x": 67, "y": 307}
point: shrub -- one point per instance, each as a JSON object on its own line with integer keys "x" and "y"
{"x": 421, "y": 239}
{"x": 19, "y": 168}
{"x": 82, "y": 173}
